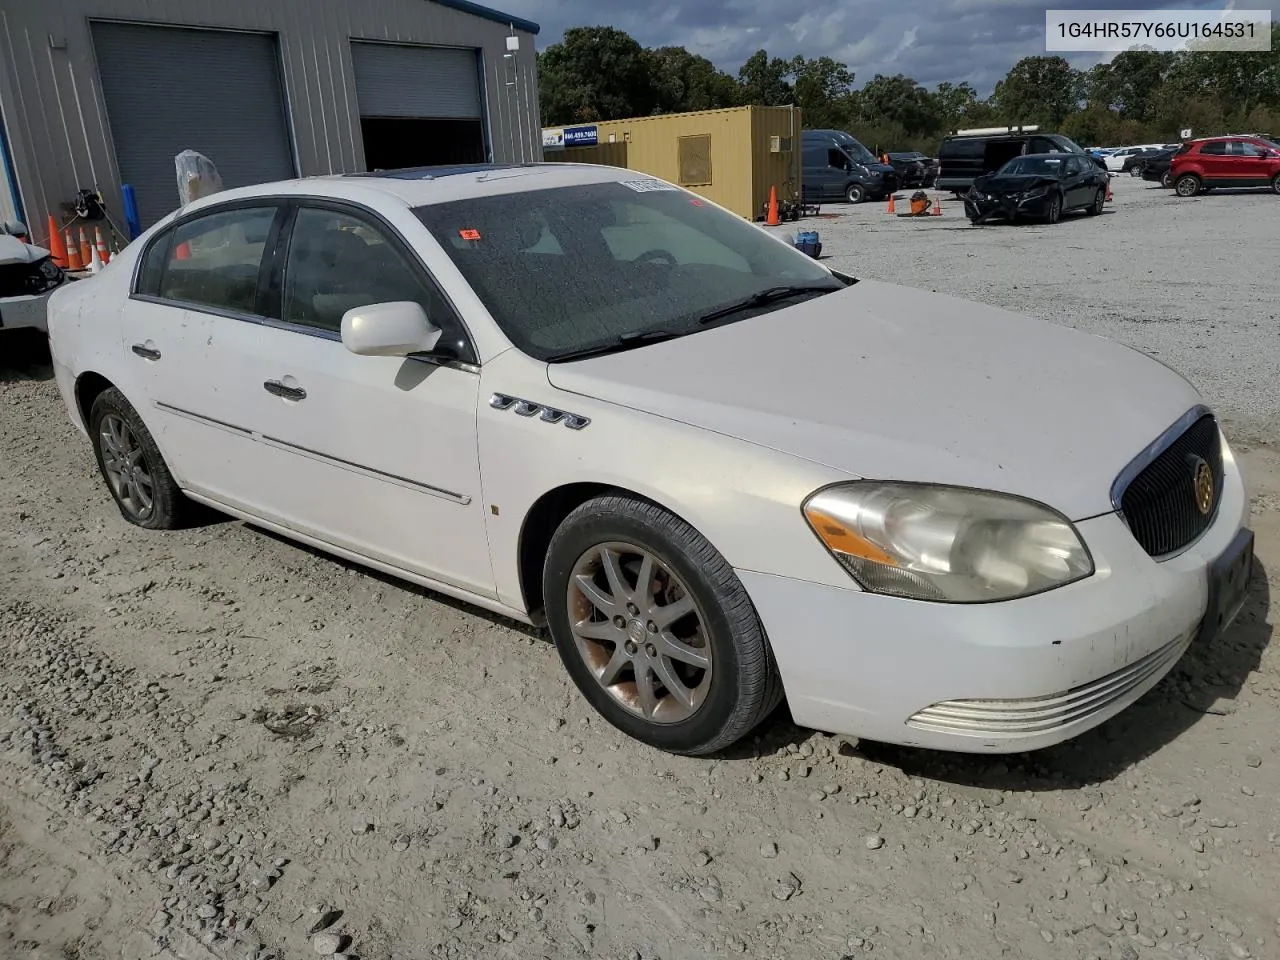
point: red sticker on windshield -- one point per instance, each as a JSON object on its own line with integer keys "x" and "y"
{"x": 469, "y": 234}
{"x": 696, "y": 202}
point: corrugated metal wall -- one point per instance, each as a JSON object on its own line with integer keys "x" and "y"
{"x": 743, "y": 167}
{"x": 783, "y": 169}
{"x": 57, "y": 124}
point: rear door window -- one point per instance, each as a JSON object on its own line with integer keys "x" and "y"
{"x": 215, "y": 260}
{"x": 1218, "y": 149}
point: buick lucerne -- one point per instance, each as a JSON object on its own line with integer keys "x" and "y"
{"x": 717, "y": 470}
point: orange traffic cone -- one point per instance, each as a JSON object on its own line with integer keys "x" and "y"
{"x": 74, "y": 261}
{"x": 57, "y": 247}
{"x": 937, "y": 208}
{"x": 1109, "y": 197}
{"x": 86, "y": 248}
{"x": 773, "y": 220}
{"x": 890, "y": 208}
{"x": 100, "y": 246}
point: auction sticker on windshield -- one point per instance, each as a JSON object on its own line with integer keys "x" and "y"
{"x": 647, "y": 186}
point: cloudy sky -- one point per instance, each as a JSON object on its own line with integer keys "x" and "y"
{"x": 931, "y": 40}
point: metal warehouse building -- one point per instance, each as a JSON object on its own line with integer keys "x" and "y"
{"x": 99, "y": 93}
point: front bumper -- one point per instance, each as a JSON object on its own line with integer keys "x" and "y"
{"x": 997, "y": 677}
{"x": 981, "y": 209}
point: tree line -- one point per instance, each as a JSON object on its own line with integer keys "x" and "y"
{"x": 602, "y": 73}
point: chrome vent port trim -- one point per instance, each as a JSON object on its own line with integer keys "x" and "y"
{"x": 545, "y": 413}
{"x": 1017, "y": 718}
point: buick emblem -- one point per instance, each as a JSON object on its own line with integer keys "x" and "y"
{"x": 1203, "y": 486}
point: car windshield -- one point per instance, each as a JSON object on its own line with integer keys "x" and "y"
{"x": 857, "y": 151}
{"x": 570, "y": 269}
{"x": 1032, "y": 166}
{"x": 1071, "y": 145}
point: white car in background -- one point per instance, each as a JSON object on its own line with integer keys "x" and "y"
{"x": 1115, "y": 160}
{"x": 717, "y": 470}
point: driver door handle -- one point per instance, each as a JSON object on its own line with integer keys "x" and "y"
{"x": 280, "y": 390}
{"x": 145, "y": 352}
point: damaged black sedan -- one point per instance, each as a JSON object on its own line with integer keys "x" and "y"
{"x": 1038, "y": 186}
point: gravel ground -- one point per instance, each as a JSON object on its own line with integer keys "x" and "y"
{"x": 1189, "y": 281}
{"x": 215, "y": 744}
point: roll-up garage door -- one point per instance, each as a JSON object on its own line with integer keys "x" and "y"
{"x": 169, "y": 89}
{"x": 418, "y": 104}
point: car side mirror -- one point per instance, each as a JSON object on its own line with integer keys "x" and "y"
{"x": 395, "y": 329}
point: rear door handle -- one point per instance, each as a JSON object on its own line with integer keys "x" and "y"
{"x": 280, "y": 390}
{"x": 147, "y": 353}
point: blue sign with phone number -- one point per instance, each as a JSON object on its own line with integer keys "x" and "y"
{"x": 581, "y": 136}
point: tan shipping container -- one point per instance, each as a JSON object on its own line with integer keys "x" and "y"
{"x": 732, "y": 157}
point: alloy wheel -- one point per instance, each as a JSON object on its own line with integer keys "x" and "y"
{"x": 639, "y": 632}
{"x": 124, "y": 462}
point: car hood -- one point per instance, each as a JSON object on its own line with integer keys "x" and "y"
{"x": 888, "y": 382}
{"x": 1012, "y": 183}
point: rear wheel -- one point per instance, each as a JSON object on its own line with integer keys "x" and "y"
{"x": 1135, "y": 172}
{"x": 130, "y": 462}
{"x": 1166, "y": 179}
{"x": 1187, "y": 185}
{"x": 855, "y": 193}
{"x": 655, "y": 628}
{"x": 1275, "y": 183}
{"x": 1099, "y": 203}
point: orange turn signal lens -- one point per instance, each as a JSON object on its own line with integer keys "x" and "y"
{"x": 838, "y": 537}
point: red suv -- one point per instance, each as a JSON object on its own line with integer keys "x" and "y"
{"x": 1225, "y": 162}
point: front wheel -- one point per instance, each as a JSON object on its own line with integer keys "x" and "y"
{"x": 1275, "y": 183}
{"x": 1055, "y": 209}
{"x": 855, "y": 193}
{"x": 1187, "y": 186}
{"x": 130, "y": 462}
{"x": 655, "y": 628}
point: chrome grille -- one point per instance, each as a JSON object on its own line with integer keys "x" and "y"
{"x": 1016, "y": 718}
{"x": 1159, "y": 503}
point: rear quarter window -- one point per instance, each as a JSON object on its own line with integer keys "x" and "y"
{"x": 967, "y": 149}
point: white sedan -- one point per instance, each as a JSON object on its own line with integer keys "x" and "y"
{"x": 720, "y": 472}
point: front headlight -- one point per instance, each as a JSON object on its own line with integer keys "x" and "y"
{"x": 946, "y": 544}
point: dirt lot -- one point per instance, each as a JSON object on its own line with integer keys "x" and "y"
{"x": 214, "y": 742}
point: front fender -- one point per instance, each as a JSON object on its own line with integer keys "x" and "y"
{"x": 743, "y": 498}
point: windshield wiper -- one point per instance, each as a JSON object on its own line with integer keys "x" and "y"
{"x": 763, "y": 297}
{"x": 627, "y": 341}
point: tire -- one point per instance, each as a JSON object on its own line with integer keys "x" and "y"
{"x": 1166, "y": 179}
{"x": 727, "y": 698}
{"x": 855, "y": 193}
{"x": 1275, "y": 183}
{"x": 1135, "y": 172}
{"x": 1055, "y": 209}
{"x": 1099, "y": 203}
{"x": 148, "y": 497}
{"x": 1187, "y": 185}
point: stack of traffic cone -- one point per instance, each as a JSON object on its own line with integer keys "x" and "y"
{"x": 937, "y": 207}
{"x": 57, "y": 247}
{"x": 74, "y": 260}
{"x": 772, "y": 219}
{"x": 86, "y": 248}
{"x": 95, "y": 262}
{"x": 1108, "y": 189}
{"x": 100, "y": 246}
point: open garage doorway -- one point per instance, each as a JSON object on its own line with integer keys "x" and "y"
{"x": 394, "y": 142}
{"x": 419, "y": 105}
